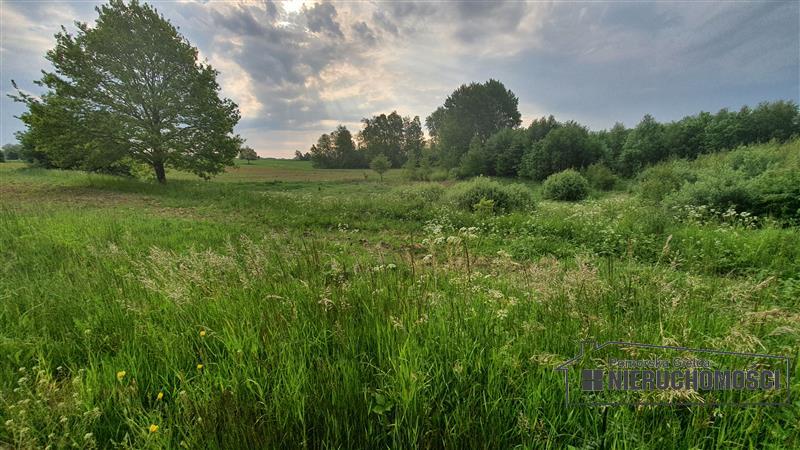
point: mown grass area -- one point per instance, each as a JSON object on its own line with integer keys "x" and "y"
{"x": 281, "y": 311}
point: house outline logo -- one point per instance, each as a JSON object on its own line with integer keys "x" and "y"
{"x": 592, "y": 379}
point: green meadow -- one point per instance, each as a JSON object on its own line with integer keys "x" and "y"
{"x": 281, "y": 306}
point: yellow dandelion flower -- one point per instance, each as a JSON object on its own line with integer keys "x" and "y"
{"x": 121, "y": 374}
{"x": 202, "y": 333}
{"x": 159, "y": 396}
{"x": 199, "y": 367}
{"x": 153, "y": 428}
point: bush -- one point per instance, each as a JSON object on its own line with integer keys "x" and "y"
{"x": 774, "y": 193}
{"x": 719, "y": 188}
{"x": 600, "y": 177}
{"x": 568, "y": 185}
{"x": 657, "y": 182}
{"x": 763, "y": 180}
{"x": 777, "y": 193}
{"x": 439, "y": 175}
{"x": 480, "y": 190}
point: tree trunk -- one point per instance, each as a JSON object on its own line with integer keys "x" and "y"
{"x": 161, "y": 175}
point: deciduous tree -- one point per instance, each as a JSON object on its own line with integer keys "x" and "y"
{"x": 248, "y": 154}
{"x": 133, "y": 86}
{"x": 380, "y": 164}
{"x": 476, "y": 109}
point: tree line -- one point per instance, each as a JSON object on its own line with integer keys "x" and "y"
{"x": 477, "y": 131}
{"x": 396, "y": 138}
{"x": 160, "y": 107}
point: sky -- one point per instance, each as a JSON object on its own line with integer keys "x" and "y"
{"x": 300, "y": 68}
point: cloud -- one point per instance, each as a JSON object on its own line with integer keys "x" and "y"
{"x": 364, "y": 32}
{"x": 322, "y": 18}
{"x": 239, "y": 85}
{"x": 297, "y": 69}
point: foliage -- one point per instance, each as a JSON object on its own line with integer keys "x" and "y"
{"x": 12, "y": 151}
{"x": 380, "y": 164}
{"x": 656, "y": 182}
{"x": 158, "y": 104}
{"x": 646, "y": 144}
{"x": 392, "y": 136}
{"x": 425, "y": 193}
{"x": 568, "y": 185}
{"x": 762, "y": 180}
{"x": 568, "y": 146}
{"x": 506, "y": 148}
{"x": 600, "y": 177}
{"x": 477, "y": 160}
{"x": 613, "y": 140}
{"x": 692, "y": 136}
{"x": 439, "y": 175}
{"x": 300, "y": 156}
{"x": 505, "y": 197}
{"x": 336, "y": 151}
{"x": 541, "y": 127}
{"x": 476, "y": 109}
{"x": 248, "y": 154}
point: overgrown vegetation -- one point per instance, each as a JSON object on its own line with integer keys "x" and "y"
{"x": 568, "y": 185}
{"x": 362, "y": 314}
{"x": 284, "y": 306}
{"x": 759, "y": 180}
{"x": 491, "y": 196}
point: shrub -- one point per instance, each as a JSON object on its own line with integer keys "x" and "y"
{"x": 600, "y": 177}
{"x": 657, "y": 182}
{"x": 568, "y": 185}
{"x": 439, "y": 175}
{"x": 763, "y": 180}
{"x": 484, "y": 207}
{"x": 505, "y": 197}
{"x": 718, "y": 188}
{"x": 380, "y": 164}
{"x": 777, "y": 193}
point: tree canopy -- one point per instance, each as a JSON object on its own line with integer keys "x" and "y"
{"x": 475, "y": 109}
{"x": 131, "y": 87}
{"x": 12, "y": 151}
{"x": 380, "y": 164}
{"x": 336, "y": 151}
{"x": 248, "y": 154}
{"x": 393, "y": 136}
{"x": 566, "y": 147}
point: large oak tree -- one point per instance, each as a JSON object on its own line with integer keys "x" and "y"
{"x": 131, "y": 86}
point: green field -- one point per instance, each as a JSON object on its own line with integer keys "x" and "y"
{"x": 283, "y": 306}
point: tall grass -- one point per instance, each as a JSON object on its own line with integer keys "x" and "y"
{"x": 205, "y": 315}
